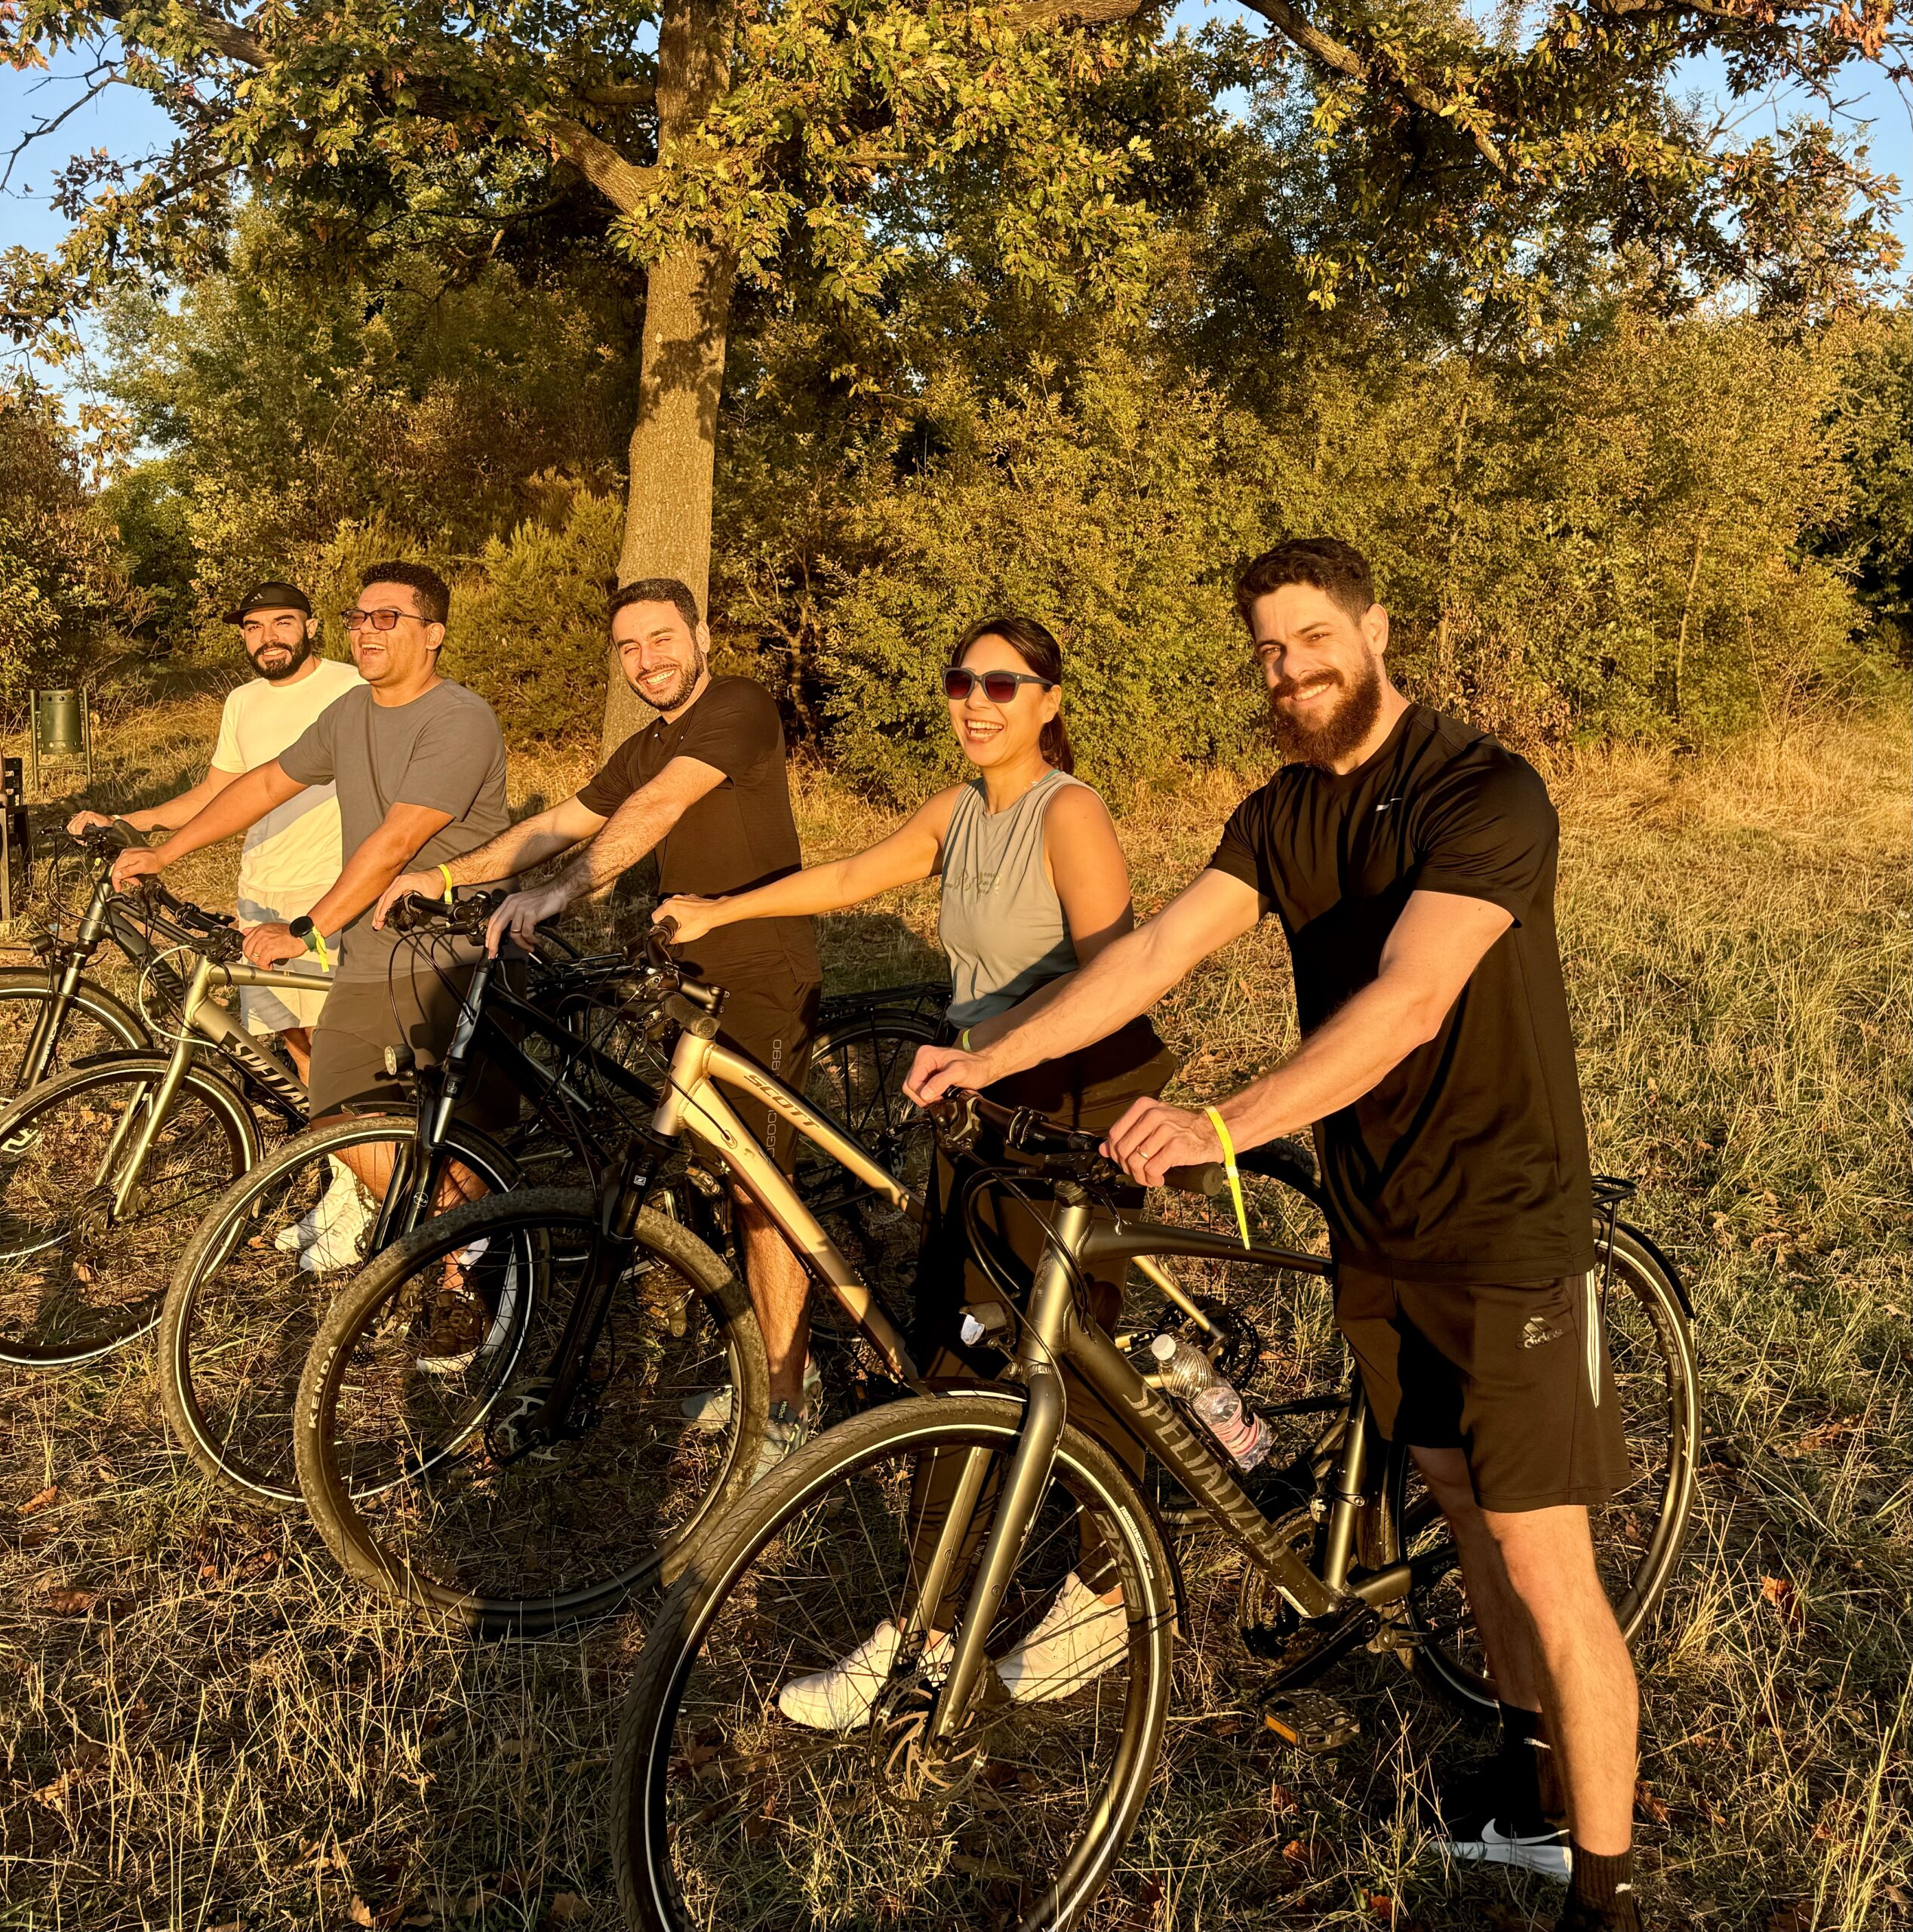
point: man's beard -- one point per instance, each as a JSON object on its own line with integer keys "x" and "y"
{"x": 1324, "y": 740}
{"x": 297, "y": 655}
{"x": 687, "y": 682}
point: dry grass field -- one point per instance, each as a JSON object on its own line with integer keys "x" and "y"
{"x": 203, "y": 1727}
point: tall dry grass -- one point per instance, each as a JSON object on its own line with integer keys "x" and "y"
{"x": 203, "y": 1728}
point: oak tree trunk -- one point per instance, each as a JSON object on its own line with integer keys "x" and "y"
{"x": 667, "y": 529}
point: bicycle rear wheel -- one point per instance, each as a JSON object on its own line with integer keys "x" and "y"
{"x": 728, "y": 1813}
{"x": 1638, "y": 1535}
{"x": 858, "y": 1067}
{"x": 80, "y": 1275}
{"x": 254, "y": 1283}
{"x": 405, "y": 1443}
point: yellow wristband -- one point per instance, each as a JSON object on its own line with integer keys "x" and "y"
{"x": 445, "y": 873}
{"x": 318, "y": 946}
{"x": 1229, "y": 1168}
{"x": 962, "y": 1039}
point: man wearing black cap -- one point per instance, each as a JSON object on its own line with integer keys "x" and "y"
{"x": 291, "y": 856}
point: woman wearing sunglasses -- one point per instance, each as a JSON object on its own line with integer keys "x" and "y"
{"x": 1035, "y": 885}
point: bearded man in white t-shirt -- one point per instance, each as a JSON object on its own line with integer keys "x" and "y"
{"x": 291, "y": 856}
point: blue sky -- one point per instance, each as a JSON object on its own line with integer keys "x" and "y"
{"x": 121, "y": 121}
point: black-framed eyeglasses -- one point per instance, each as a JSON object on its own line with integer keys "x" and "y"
{"x": 378, "y": 620}
{"x": 999, "y": 687}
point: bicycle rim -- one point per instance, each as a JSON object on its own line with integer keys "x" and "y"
{"x": 93, "y": 1025}
{"x": 254, "y": 1285}
{"x": 730, "y": 1815}
{"x": 1638, "y": 1535}
{"x": 411, "y": 1460}
{"x": 80, "y": 1277}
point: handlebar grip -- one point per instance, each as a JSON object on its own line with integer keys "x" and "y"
{"x": 1210, "y": 1179}
{"x": 666, "y": 931}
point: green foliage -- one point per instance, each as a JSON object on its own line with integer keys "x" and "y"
{"x": 59, "y": 590}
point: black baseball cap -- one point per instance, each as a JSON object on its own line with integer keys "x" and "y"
{"x": 275, "y": 594}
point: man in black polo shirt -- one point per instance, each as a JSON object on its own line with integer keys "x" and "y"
{"x": 704, "y": 786}
{"x": 1411, "y": 860}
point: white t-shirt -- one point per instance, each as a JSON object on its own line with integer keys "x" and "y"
{"x": 292, "y": 855}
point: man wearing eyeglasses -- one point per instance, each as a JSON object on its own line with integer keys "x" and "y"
{"x": 418, "y": 762}
{"x": 291, "y": 855}
{"x": 705, "y": 787}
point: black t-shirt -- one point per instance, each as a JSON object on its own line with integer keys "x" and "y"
{"x": 740, "y": 836}
{"x": 1467, "y": 1162}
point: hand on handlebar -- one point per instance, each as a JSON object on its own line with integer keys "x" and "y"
{"x": 1153, "y": 1137}
{"x": 427, "y": 885}
{"x": 135, "y": 863}
{"x": 518, "y": 919}
{"x": 939, "y": 1070}
{"x": 86, "y": 822}
{"x": 270, "y": 946}
{"x": 691, "y": 915}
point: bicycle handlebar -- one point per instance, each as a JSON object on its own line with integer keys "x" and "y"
{"x": 465, "y": 918}
{"x": 1033, "y": 1140}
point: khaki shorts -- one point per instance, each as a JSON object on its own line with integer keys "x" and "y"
{"x": 776, "y": 1026}
{"x": 363, "y": 1017}
{"x": 1517, "y": 1378}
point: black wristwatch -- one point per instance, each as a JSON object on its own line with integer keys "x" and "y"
{"x": 302, "y": 930}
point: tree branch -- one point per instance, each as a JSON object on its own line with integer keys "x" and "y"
{"x": 222, "y": 36}
{"x": 622, "y": 182}
{"x": 46, "y": 128}
{"x": 631, "y": 93}
{"x": 1035, "y": 14}
{"x": 1305, "y": 35}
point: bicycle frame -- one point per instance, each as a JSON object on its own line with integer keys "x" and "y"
{"x": 1053, "y": 1332}
{"x": 693, "y": 1105}
{"x": 207, "y": 1023}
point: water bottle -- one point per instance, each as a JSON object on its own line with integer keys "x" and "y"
{"x": 1184, "y": 1371}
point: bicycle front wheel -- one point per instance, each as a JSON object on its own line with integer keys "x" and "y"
{"x": 409, "y": 1429}
{"x": 1637, "y": 1534}
{"x": 100, "y": 1186}
{"x": 95, "y": 1022}
{"x": 730, "y": 1813}
{"x": 249, "y": 1292}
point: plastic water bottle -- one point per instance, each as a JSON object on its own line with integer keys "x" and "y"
{"x": 1184, "y": 1371}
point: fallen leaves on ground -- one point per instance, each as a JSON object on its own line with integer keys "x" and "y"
{"x": 50, "y": 1494}
{"x": 1780, "y": 1593}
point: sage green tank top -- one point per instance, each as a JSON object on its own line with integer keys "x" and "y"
{"x": 1001, "y": 923}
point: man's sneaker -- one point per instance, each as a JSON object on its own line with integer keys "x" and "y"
{"x": 1079, "y": 1638}
{"x": 1532, "y": 1843}
{"x": 340, "y": 1204}
{"x": 710, "y": 1408}
{"x": 842, "y": 1697}
{"x": 462, "y": 1320}
{"x": 785, "y": 1431}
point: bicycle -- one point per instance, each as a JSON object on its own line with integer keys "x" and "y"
{"x": 951, "y": 1803}
{"x": 106, "y": 1168}
{"x": 55, "y": 1015}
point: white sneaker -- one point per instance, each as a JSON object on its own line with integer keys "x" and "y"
{"x": 338, "y": 1204}
{"x": 710, "y": 1408}
{"x": 842, "y": 1697}
{"x": 341, "y": 1222}
{"x": 1079, "y": 1638}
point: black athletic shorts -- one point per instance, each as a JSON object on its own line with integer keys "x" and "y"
{"x": 1517, "y": 1377}
{"x": 362, "y": 1018}
{"x": 776, "y": 1025}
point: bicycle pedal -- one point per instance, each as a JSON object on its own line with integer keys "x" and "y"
{"x": 1312, "y": 1723}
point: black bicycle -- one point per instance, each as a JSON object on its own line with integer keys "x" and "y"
{"x": 911, "y": 1549}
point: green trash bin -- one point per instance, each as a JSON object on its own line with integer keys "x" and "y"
{"x": 61, "y": 729}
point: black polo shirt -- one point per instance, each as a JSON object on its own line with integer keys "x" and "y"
{"x": 1467, "y": 1162}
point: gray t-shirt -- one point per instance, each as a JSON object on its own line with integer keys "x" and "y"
{"x": 443, "y": 751}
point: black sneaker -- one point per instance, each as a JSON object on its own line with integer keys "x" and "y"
{"x": 1530, "y": 1844}
{"x": 1623, "y": 1915}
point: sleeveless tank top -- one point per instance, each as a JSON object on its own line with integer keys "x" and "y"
{"x": 1001, "y": 923}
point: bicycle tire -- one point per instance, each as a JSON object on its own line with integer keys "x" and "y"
{"x": 378, "y": 1530}
{"x": 118, "y": 1028}
{"x": 645, "y": 1766}
{"x": 221, "y": 1443}
{"x": 1446, "y": 1652}
{"x": 131, "y": 1271}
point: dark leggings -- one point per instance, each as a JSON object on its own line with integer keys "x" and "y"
{"x": 1090, "y": 1091}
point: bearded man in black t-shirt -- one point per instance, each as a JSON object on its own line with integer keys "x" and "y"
{"x": 1411, "y": 860}
{"x": 704, "y": 786}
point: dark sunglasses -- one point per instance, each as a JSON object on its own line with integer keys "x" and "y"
{"x": 377, "y": 621}
{"x": 999, "y": 687}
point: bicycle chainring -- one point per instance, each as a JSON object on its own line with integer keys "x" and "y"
{"x": 1237, "y": 1356}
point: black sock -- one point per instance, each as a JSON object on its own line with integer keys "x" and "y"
{"x": 1521, "y": 1770}
{"x": 1604, "y": 1885}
